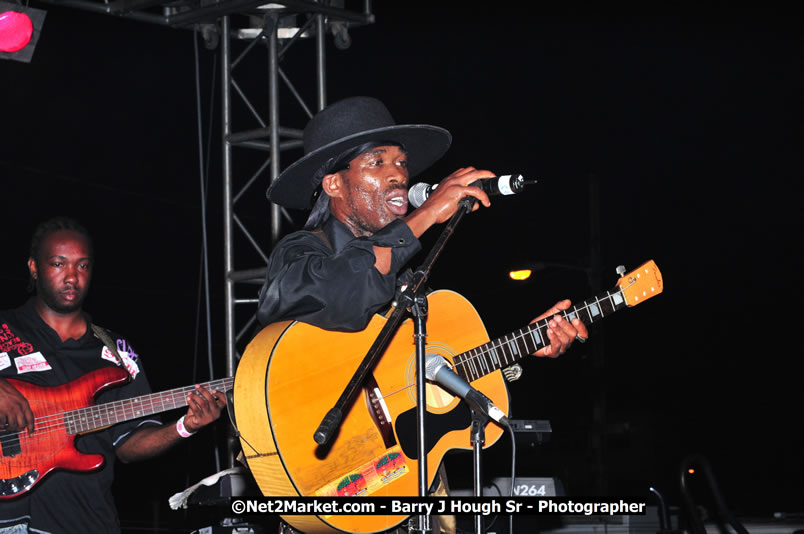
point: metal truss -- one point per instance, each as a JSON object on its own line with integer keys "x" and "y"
{"x": 252, "y": 136}
{"x": 187, "y": 13}
{"x": 275, "y": 27}
{"x": 276, "y": 30}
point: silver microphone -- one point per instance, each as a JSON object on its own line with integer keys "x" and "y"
{"x": 437, "y": 370}
{"x": 508, "y": 184}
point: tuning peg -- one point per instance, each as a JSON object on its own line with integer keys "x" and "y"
{"x": 620, "y": 270}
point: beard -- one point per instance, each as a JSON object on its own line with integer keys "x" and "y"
{"x": 51, "y": 298}
{"x": 369, "y": 215}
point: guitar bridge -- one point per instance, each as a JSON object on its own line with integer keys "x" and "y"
{"x": 379, "y": 411}
{"x": 12, "y": 486}
{"x": 10, "y": 444}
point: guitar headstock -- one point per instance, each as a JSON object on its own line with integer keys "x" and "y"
{"x": 641, "y": 284}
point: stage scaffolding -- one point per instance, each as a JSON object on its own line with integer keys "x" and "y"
{"x": 240, "y": 28}
{"x": 269, "y": 137}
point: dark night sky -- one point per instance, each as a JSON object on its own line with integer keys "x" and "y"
{"x": 689, "y": 121}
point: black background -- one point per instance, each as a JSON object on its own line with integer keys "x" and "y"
{"x": 689, "y": 121}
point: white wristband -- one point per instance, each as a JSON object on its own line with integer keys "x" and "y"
{"x": 183, "y": 432}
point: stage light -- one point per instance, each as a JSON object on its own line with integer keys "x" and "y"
{"x": 691, "y": 471}
{"x": 16, "y": 30}
{"x": 522, "y": 274}
{"x": 20, "y": 27}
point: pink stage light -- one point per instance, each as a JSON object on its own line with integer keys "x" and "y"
{"x": 16, "y": 30}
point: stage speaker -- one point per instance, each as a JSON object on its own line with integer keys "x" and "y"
{"x": 523, "y": 487}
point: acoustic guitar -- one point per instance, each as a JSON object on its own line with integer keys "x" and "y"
{"x": 292, "y": 373}
{"x": 63, "y": 412}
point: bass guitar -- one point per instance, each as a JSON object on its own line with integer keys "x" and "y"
{"x": 63, "y": 412}
{"x": 292, "y": 373}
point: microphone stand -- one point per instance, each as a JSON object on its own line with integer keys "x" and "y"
{"x": 419, "y": 311}
{"x": 411, "y": 297}
{"x": 478, "y": 439}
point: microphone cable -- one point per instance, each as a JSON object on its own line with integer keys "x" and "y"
{"x": 513, "y": 480}
{"x": 513, "y": 474}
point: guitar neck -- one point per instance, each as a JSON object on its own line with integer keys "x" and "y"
{"x": 110, "y": 413}
{"x": 507, "y": 350}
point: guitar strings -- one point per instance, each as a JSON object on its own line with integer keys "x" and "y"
{"x": 527, "y": 331}
{"x": 544, "y": 323}
{"x": 148, "y": 401}
{"x": 468, "y": 358}
{"x": 46, "y": 425}
{"x": 61, "y": 422}
{"x": 56, "y": 422}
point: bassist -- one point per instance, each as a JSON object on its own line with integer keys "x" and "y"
{"x": 49, "y": 341}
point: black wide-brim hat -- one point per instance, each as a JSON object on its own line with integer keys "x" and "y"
{"x": 345, "y": 125}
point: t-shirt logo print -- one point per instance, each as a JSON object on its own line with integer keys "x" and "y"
{"x": 130, "y": 363}
{"x": 10, "y": 341}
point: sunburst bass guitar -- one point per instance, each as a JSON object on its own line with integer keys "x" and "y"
{"x": 292, "y": 373}
{"x": 61, "y": 413}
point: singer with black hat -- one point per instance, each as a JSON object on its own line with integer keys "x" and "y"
{"x": 347, "y": 263}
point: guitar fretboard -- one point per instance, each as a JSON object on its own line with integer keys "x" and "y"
{"x": 507, "y": 350}
{"x": 110, "y": 413}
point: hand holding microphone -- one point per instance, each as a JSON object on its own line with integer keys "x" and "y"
{"x": 436, "y": 204}
{"x": 444, "y": 201}
{"x": 507, "y": 184}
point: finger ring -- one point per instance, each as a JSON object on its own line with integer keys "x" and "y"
{"x": 580, "y": 338}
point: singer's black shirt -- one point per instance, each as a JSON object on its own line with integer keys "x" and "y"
{"x": 327, "y": 277}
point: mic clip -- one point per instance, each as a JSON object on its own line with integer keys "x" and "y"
{"x": 482, "y": 406}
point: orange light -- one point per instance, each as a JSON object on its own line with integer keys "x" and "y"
{"x": 522, "y": 274}
{"x": 691, "y": 471}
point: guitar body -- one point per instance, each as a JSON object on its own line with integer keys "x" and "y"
{"x": 292, "y": 374}
{"x": 26, "y": 459}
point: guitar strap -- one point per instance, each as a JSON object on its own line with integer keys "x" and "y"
{"x": 103, "y": 335}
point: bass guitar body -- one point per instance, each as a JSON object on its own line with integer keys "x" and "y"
{"x": 26, "y": 458}
{"x": 292, "y": 374}
{"x": 63, "y": 412}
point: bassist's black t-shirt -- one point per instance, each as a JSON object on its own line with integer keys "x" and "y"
{"x": 65, "y": 501}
